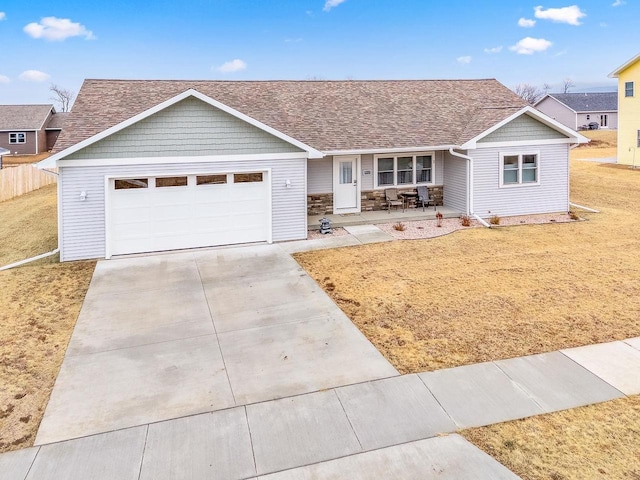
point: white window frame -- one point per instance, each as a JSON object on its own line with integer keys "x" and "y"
{"x": 16, "y": 140}
{"x": 629, "y": 87}
{"x": 520, "y": 183}
{"x": 395, "y": 157}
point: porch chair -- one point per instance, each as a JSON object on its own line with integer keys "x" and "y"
{"x": 392, "y": 198}
{"x": 424, "y": 198}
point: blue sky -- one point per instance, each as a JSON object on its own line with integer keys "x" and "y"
{"x": 513, "y": 41}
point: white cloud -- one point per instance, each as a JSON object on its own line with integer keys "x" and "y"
{"x": 493, "y": 50}
{"x": 526, "y": 23}
{"x": 618, "y": 3}
{"x": 235, "y": 65}
{"x": 570, "y": 15}
{"x": 4, "y": 79}
{"x": 57, "y": 29}
{"x": 603, "y": 24}
{"x": 329, "y": 4}
{"x": 464, "y": 60}
{"x": 292, "y": 40}
{"x": 529, "y": 46}
{"x": 3, "y": 16}
{"x": 34, "y": 76}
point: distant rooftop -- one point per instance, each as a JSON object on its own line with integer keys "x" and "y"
{"x": 589, "y": 102}
{"x": 23, "y": 117}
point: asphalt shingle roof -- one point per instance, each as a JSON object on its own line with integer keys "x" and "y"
{"x": 57, "y": 120}
{"x": 326, "y": 115}
{"x": 589, "y": 102}
{"x": 23, "y": 117}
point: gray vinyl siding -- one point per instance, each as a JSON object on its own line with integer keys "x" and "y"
{"x": 455, "y": 183}
{"x": 550, "y": 195}
{"x": 522, "y": 128}
{"x": 320, "y": 175}
{"x": 83, "y": 222}
{"x": 559, "y": 112}
{"x": 367, "y": 164}
{"x": 188, "y": 128}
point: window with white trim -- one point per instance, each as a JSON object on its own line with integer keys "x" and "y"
{"x": 519, "y": 169}
{"x": 17, "y": 137}
{"x": 638, "y": 139}
{"x": 628, "y": 89}
{"x": 403, "y": 170}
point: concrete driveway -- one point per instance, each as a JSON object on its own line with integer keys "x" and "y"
{"x": 166, "y": 336}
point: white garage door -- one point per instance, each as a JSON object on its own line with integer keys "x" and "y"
{"x": 149, "y": 214}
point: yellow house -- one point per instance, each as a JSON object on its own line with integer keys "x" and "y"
{"x": 628, "y": 76}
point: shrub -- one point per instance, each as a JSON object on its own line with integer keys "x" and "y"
{"x": 399, "y": 226}
{"x": 494, "y": 220}
{"x": 573, "y": 215}
{"x": 465, "y": 220}
{"x": 439, "y": 219}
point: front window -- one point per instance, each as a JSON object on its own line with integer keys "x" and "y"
{"x": 638, "y": 138}
{"x": 404, "y": 170}
{"x": 18, "y": 137}
{"x": 520, "y": 169}
{"x": 628, "y": 89}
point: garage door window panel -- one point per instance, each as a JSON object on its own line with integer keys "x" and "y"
{"x": 131, "y": 183}
{"x": 211, "y": 179}
{"x": 247, "y": 177}
{"x": 163, "y": 182}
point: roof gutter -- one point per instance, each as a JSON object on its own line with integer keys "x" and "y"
{"x": 388, "y": 150}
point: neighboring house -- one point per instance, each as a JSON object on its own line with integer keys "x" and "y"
{"x": 29, "y": 129}
{"x": 162, "y": 165}
{"x": 578, "y": 110}
{"x": 628, "y": 76}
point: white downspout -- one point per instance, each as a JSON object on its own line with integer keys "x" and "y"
{"x": 470, "y": 184}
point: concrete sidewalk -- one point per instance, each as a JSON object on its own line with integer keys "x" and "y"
{"x": 357, "y": 431}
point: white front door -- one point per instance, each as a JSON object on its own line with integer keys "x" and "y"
{"x": 346, "y": 187}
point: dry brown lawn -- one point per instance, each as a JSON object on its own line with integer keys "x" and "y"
{"x": 23, "y": 159}
{"x": 39, "y": 304}
{"x": 603, "y": 144}
{"x": 595, "y": 442}
{"x": 487, "y": 294}
{"x": 480, "y": 295}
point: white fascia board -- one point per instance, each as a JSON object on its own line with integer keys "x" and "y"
{"x": 52, "y": 160}
{"x": 46, "y": 117}
{"x": 256, "y": 157}
{"x": 388, "y": 150}
{"x": 617, "y": 71}
{"x": 523, "y": 143}
{"x": 572, "y": 136}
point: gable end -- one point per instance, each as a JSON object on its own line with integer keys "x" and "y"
{"x": 190, "y": 127}
{"x": 522, "y": 128}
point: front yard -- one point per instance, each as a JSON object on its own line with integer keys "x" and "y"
{"x": 471, "y": 296}
{"x": 480, "y": 295}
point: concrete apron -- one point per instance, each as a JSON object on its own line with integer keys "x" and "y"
{"x": 165, "y": 336}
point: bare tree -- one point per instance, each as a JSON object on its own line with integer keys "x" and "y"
{"x": 529, "y": 93}
{"x": 567, "y": 85}
{"x": 62, "y": 96}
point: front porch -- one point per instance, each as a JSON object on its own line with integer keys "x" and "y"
{"x": 382, "y": 216}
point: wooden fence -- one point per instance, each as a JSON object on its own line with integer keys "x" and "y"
{"x": 16, "y": 181}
